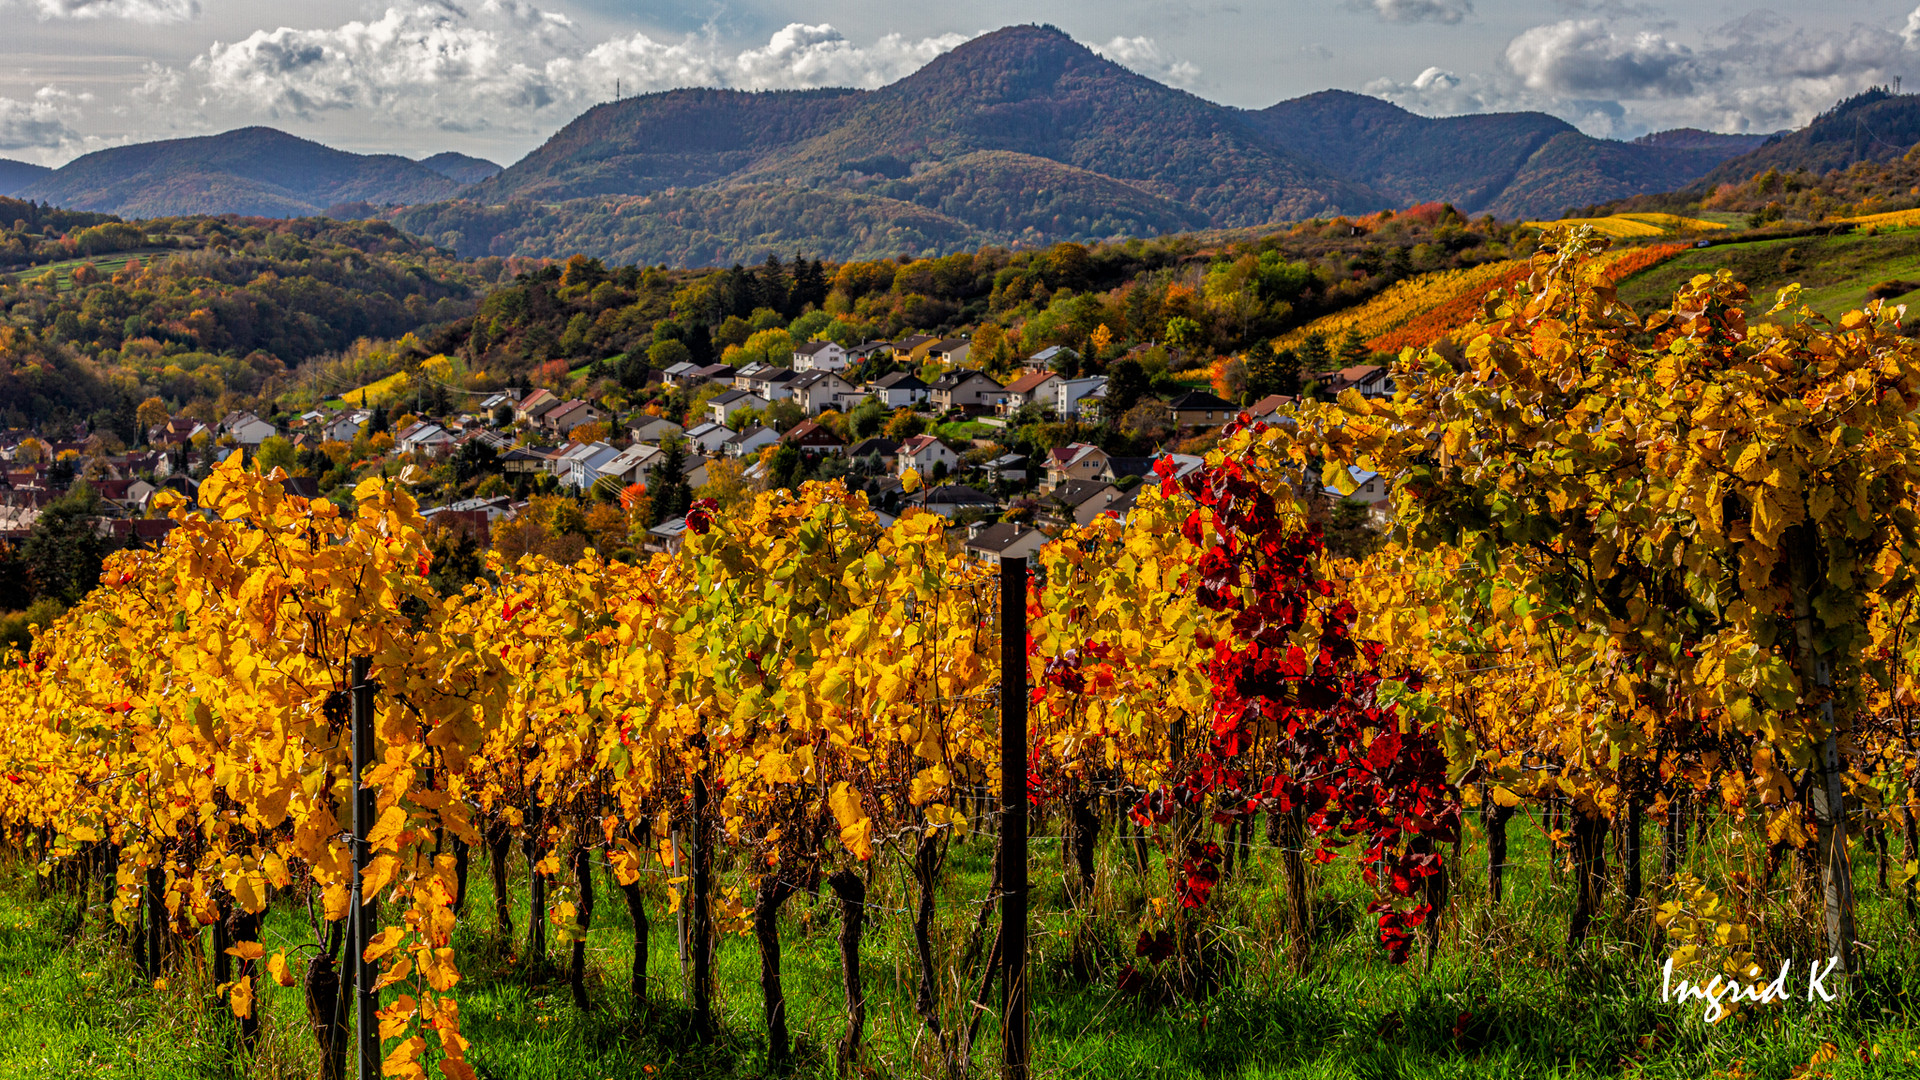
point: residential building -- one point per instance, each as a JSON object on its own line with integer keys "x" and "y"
{"x": 819, "y": 356}
{"x": 1119, "y": 468}
{"x": 860, "y": 354}
{"x": 1267, "y": 409}
{"x": 950, "y": 351}
{"x": 818, "y": 391}
{"x": 653, "y": 429}
{"x": 566, "y": 416}
{"x": 901, "y": 389}
{"x": 722, "y": 407}
{"x": 710, "y": 373}
{"x": 579, "y": 465}
{"x": 1008, "y": 469}
{"x": 1200, "y": 409}
{"x": 1078, "y": 502}
{"x": 178, "y": 431}
{"x": 914, "y": 347}
{"x": 523, "y": 460}
{"x": 772, "y": 383}
{"x": 534, "y": 405}
{"x": 881, "y": 447}
{"x": 1371, "y": 490}
{"x": 709, "y": 437}
{"x": 748, "y": 443}
{"x": 922, "y": 453}
{"x": 810, "y": 437}
{"x": 509, "y": 396}
{"x": 423, "y": 437}
{"x": 1031, "y": 387}
{"x": 970, "y": 390}
{"x": 345, "y": 427}
{"x": 1051, "y": 357}
{"x": 246, "y": 428}
{"x": 1075, "y": 461}
{"x": 1068, "y": 392}
{"x": 680, "y": 374}
{"x": 666, "y": 536}
{"x": 630, "y": 465}
{"x": 1371, "y": 380}
{"x": 1004, "y": 540}
{"x": 952, "y": 500}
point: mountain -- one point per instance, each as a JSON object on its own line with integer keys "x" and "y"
{"x": 1511, "y": 165}
{"x": 15, "y": 175}
{"x": 1872, "y": 126}
{"x": 253, "y": 171}
{"x": 461, "y": 168}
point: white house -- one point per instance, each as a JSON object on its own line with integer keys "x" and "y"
{"x": 583, "y": 469}
{"x": 345, "y": 427}
{"x": 965, "y": 390}
{"x": 653, "y": 429}
{"x": 566, "y": 416}
{"x": 1034, "y": 386}
{"x": 1006, "y": 540}
{"x": 722, "y": 407}
{"x": 630, "y": 465}
{"x": 818, "y": 391}
{"x": 901, "y": 389}
{"x": 922, "y": 452}
{"x": 748, "y": 442}
{"x": 819, "y": 356}
{"x": 247, "y": 429}
{"x": 423, "y": 437}
{"x": 1068, "y": 392}
{"x": 709, "y": 437}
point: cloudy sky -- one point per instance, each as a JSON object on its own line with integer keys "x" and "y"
{"x": 495, "y": 77}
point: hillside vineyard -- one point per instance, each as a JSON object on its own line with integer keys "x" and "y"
{"x": 1646, "y": 571}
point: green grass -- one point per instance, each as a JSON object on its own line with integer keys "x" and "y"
{"x": 1504, "y": 997}
{"x": 1834, "y": 271}
{"x": 108, "y": 265}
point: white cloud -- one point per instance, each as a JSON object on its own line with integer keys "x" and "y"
{"x": 510, "y": 65}
{"x": 1415, "y": 11}
{"x": 1583, "y": 57}
{"x": 797, "y": 57}
{"x": 1144, "y": 56}
{"x": 141, "y": 11}
{"x": 1759, "y": 73}
{"x": 40, "y": 123}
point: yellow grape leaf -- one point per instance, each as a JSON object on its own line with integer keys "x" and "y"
{"x": 1504, "y": 797}
{"x": 401, "y": 1061}
{"x": 240, "y": 997}
{"x": 625, "y": 863}
{"x": 376, "y": 876}
{"x": 940, "y": 814}
{"x": 249, "y": 891}
{"x": 548, "y": 866}
{"x": 457, "y": 1070}
{"x": 394, "y": 1018}
{"x": 439, "y": 969}
{"x": 845, "y": 804}
{"x": 247, "y": 950}
{"x": 401, "y": 968}
{"x": 382, "y": 943}
{"x": 858, "y": 839}
{"x": 910, "y": 481}
{"x": 277, "y": 967}
{"x": 336, "y": 899}
{"x": 276, "y": 870}
{"x": 390, "y": 825}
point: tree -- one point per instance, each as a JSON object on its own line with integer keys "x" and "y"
{"x": 378, "y": 423}
{"x": 1353, "y": 348}
{"x": 151, "y": 414}
{"x": 666, "y": 353}
{"x": 905, "y": 424}
{"x": 1315, "y": 358}
{"x": 474, "y": 458}
{"x": 786, "y": 468}
{"x": 670, "y": 494}
{"x": 867, "y": 419}
{"x": 783, "y": 414}
{"x": 503, "y": 414}
{"x": 1271, "y": 371}
{"x": 64, "y": 551}
{"x": 1149, "y": 421}
{"x": 274, "y": 453}
{"x": 1126, "y": 383}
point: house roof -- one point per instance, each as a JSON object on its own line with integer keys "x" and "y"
{"x": 1077, "y": 493}
{"x": 1122, "y": 467}
{"x": 701, "y": 431}
{"x": 1061, "y": 457}
{"x": 814, "y": 347}
{"x": 1008, "y": 461}
{"x": 749, "y": 435}
{"x": 881, "y": 445}
{"x": 539, "y": 397}
{"x": 1030, "y": 381}
{"x": 957, "y": 495}
{"x": 729, "y": 397}
{"x": 914, "y": 341}
{"x": 868, "y": 348}
{"x": 954, "y": 380}
{"x": 1269, "y": 405}
{"x": 899, "y": 380}
{"x": 950, "y": 344}
{"x": 1047, "y": 354}
{"x": 714, "y": 371}
{"x": 918, "y": 443}
{"x": 812, "y": 432}
{"x": 1000, "y": 537}
{"x": 630, "y": 458}
{"x": 1199, "y": 399}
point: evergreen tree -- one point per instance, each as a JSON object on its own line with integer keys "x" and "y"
{"x": 64, "y": 551}
{"x": 1315, "y": 357}
{"x": 670, "y": 494}
{"x": 1353, "y": 349}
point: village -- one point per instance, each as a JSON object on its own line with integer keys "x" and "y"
{"x": 1009, "y": 464}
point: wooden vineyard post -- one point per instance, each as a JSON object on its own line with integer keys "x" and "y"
{"x": 364, "y": 910}
{"x": 1013, "y": 818}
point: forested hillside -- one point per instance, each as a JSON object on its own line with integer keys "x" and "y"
{"x": 231, "y": 308}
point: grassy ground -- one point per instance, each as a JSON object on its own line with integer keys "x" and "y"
{"x": 1835, "y": 271}
{"x": 1504, "y": 997}
{"x": 108, "y": 265}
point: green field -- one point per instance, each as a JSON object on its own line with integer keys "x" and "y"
{"x": 108, "y": 265}
{"x": 1504, "y": 998}
{"x": 1835, "y": 271}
